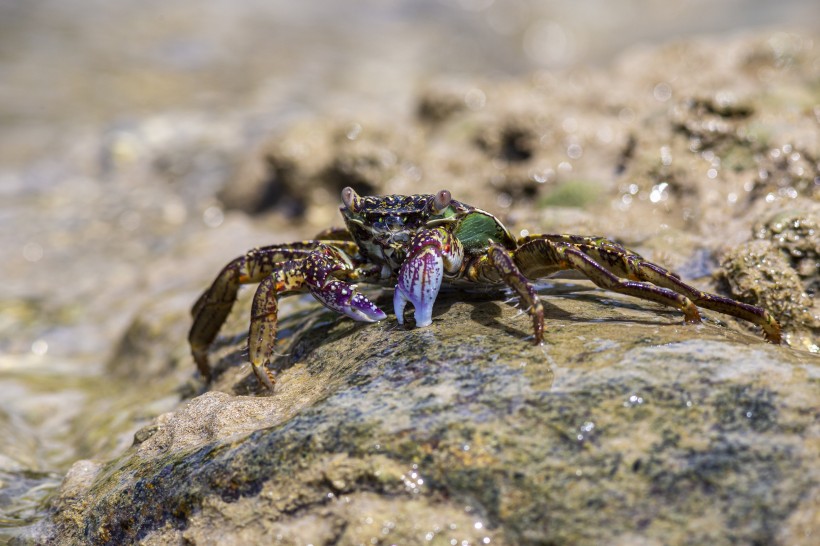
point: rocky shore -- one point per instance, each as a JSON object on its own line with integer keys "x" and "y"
{"x": 625, "y": 427}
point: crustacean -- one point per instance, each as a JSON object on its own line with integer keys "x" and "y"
{"x": 414, "y": 244}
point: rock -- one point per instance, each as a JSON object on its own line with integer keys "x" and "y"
{"x": 780, "y": 271}
{"x": 625, "y": 427}
{"x": 625, "y": 424}
{"x": 302, "y": 172}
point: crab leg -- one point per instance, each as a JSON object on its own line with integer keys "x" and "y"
{"x": 432, "y": 252}
{"x": 499, "y": 265}
{"x": 264, "y": 312}
{"x": 542, "y": 257}
{"x": 316, "y": 274}
{"x": 214, "y": 305}
{"x": 532, "y": 254}
{"x": 603, "y": 261}
{"x": 633, "y": 266}
{"x": 657, "y": 275}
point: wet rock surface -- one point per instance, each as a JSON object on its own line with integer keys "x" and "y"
{"x": 626, "y": 426}
{"x": 626, "y": 423}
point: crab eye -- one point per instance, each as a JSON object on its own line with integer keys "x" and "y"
{"x": 350, "y": 199}
{"x": 441, "y": 201}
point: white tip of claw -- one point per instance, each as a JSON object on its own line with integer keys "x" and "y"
{"x": 424, "y": 317}
{"x": 362, "y": 309}
{"x": 423, "y": 311}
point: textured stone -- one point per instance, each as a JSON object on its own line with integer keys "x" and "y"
{"x": 625, "y": 423}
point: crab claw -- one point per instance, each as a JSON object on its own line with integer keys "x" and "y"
{"x": 344, "y": 298}
{"x": 419, "y": 282}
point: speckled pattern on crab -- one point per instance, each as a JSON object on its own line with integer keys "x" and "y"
{"x": 414, "y": 244}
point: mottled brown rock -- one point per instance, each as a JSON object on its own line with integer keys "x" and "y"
{"x": 625, "y": 423}
{"x": 780, "y": 270}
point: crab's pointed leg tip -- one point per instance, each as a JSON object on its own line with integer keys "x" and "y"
{"x": 264, "y": 376}
{"x": 775, "y": 336}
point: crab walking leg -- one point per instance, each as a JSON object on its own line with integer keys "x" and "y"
{"x": 639, "y": 269}
{"x": 432, "y": 252}
{"x": 264, "y": 312}
{"x": 625, "y": 263}
{"x": 314, "y": 273}
{"x": 655, "y": 274}
{"x": 502, "y": 264}
{"x": 214, "y": 305}
{"x": 541, "y": 255}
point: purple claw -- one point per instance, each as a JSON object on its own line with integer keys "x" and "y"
{"x": 344, "y": 298}
{"x": 419, "y": 282}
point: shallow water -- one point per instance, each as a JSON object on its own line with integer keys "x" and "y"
{"x": 119, "y": 122}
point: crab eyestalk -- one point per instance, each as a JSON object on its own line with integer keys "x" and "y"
{"x": 441, "y": 201}
{"x": 351, "y": 199}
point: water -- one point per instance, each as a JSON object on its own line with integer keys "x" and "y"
{"x": 120, "y": 121}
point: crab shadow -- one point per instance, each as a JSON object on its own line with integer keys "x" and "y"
{"x": 305, "y": 332}
{"x": 488, "y": 311}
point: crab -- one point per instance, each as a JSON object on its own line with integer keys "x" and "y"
{"x": 414, "y": 244}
